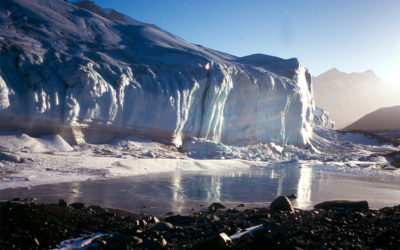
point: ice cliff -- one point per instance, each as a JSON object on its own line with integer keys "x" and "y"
{"x": 89, "y": 74}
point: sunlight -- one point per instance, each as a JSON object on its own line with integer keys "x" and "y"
{"x": 304, "y": 187}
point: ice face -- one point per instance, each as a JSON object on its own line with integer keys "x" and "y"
{"x": 87, "y": 77}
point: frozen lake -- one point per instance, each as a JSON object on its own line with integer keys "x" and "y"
{"x": 180, "y": 192}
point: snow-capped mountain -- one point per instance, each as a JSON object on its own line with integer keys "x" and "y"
{"x": 347, "y": 97}
{"x": 90, "y": 74}
{"x": 383, "y": 118}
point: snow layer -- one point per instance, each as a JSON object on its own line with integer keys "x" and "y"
{"x": 49, "y": 159}
{"x": 93, "y": 75}
{"x": 15, "y": 141}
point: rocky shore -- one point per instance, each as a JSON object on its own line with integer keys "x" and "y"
{"x": 26, "y": 224}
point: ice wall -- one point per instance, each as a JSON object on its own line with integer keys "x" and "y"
{"x": 89, "y": 78}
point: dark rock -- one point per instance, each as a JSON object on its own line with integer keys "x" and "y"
{"x": 215, "y": 206}
{"x": 241, "y": 205}
{"x": 137, "y": 240}
{"x": 162, "y": 226}
{"x": 78, "y": 205}
{"x": 153, "y": 219}
{"x": 179, "y": 220}
{"x": 343, "y": 204}
{"x": 220, "y": 241}
{"x": 291, "y": 197}
{"x": 282, "y": 203}
{"x": 62, "y": 203}
{"x": 124, "y": 241}
{"x": 151, "y": 243}
{"x": 270, "y": 225}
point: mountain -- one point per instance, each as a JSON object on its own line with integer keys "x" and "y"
{"x": 347, "y": 97}
{"x": 383, "y": 118}
{"x": 90, "y": 74}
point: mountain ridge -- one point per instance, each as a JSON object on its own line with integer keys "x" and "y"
{"x": 349, "y": 96}
{"x": 381, "y": 119}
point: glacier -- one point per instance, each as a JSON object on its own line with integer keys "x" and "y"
{"x": 91, "y": 74}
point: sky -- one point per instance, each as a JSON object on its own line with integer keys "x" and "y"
{"x": 351, "y": 35}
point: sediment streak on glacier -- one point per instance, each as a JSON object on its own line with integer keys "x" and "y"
{"x": 90, "y": 77}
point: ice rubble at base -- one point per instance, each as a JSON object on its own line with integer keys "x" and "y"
{"x": 90, "y": 77}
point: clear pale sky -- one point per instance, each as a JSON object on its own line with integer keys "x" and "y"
{"x": 351, "y": 35}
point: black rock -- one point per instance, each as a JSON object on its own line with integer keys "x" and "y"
{"x": 343, "y": 204}
{"x": 241, "y": 205}
{"x": 153, "y": 219}
{"x": 162, "y": 226}
{"x": 291, "y": 197}
{"x": 220, "y": 241}
{"x": 179, "y": 220}
{"x": 215, "y": 206}
{"x": 270, "y": 225}
{"x": 151, "y": 243}
{"x": 125, "y": 241}
{"x": 282, "y": 203}
{"x": 78, "y": 205}
{"x": 62, "y": 203}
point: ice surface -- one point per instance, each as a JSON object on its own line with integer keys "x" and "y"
{"x": 83, "y": 242}
{"x": 92, "y": 74}
{"x": 49, "y": 163}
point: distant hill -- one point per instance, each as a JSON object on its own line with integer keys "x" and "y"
{"x": 349, "y": 96}
{"x": 384, "y": 118}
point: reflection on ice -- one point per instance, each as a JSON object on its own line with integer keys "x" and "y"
{"x": 214, "y": 190}
{"x": 179, "y": 192}
{"x": 304, "y": 187}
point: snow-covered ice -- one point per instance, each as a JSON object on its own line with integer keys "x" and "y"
{"x": 48, "y": 160}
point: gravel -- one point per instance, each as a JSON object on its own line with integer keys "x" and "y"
{"x": 26, "y": 224}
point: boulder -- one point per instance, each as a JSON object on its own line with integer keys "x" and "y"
{"x": 282, "y": 203}
{"x": 343, "y": 204}
{"x": 78, "y": 205}
{"x": 179, "y": 220}
{"x": 62, "y": 203}
{"x": 215, "y": 206}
